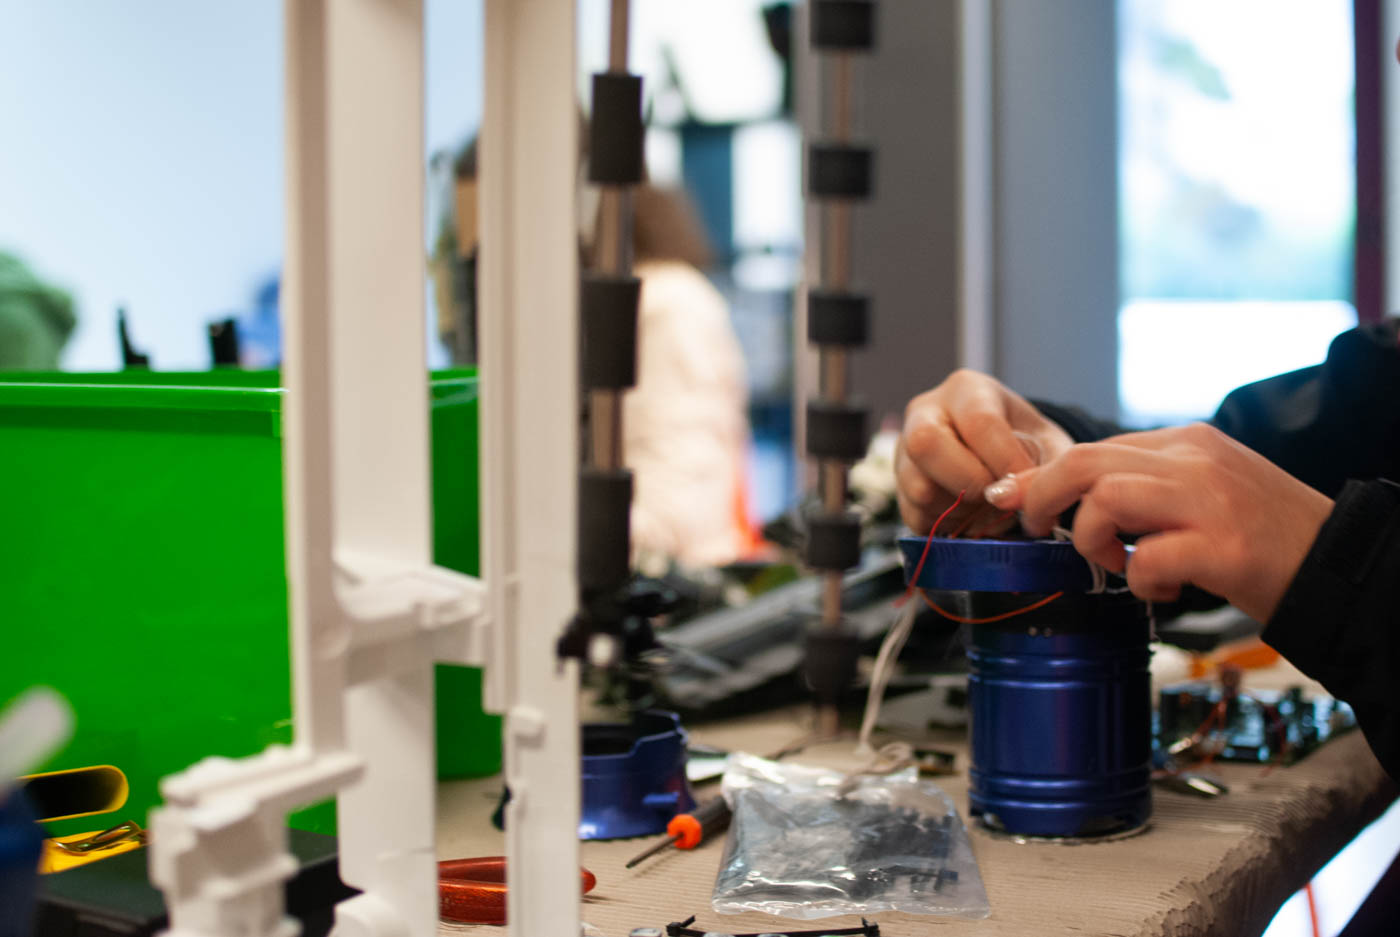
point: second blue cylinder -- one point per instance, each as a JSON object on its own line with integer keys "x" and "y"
{"x": 1060, "y": 705}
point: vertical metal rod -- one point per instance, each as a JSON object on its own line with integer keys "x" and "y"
{"x": 835, "y": 372}
{"x": 837, "y": 221}
{"x": 842, "y": 92}
{"x": 614, "y": 257}
{"x": 605, "y": 429}
{"x": 618, "y": 35}
{"x": 834, "y": 363}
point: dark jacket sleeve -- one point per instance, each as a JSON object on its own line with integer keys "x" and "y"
{"x": 1337, "y": 421}
{"x": 1080, "y": 425}
{"x": 1337, "y": 428}
{"x": 1339, "y": 621}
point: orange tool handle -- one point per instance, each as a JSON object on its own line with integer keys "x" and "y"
{"x": 690, "y": 829}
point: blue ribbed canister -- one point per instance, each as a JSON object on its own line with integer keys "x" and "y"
{"x": 1060, "y": 705}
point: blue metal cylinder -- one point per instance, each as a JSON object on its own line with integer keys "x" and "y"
{"x": 1060, "y": 708}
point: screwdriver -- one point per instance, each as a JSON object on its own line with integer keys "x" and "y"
{"x": 687, "y": 830}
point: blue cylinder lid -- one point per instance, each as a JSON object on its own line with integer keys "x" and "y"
{"x": 996, "y": 565}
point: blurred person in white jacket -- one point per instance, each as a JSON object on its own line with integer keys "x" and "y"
{"x": 686, "y": 430}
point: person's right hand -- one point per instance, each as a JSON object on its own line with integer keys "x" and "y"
{"x": 962, "y": 436}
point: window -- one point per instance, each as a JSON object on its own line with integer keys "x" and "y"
{"x": 1237, "y": 176}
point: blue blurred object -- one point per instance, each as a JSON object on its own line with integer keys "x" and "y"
{"x": 260, "y": 330}
{"x": 21, "y": 838}
{"x": 1060, "y": 707}
{"x": 633, "y": 776}
{"x": 997, "y": 565}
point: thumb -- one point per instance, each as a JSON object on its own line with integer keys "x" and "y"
{"x": 1009, "y": 492}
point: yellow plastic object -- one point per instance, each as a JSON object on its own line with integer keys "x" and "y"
{"x": 76, "y": 792}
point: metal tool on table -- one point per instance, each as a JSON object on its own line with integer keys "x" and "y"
{"x": 688, "y": 830}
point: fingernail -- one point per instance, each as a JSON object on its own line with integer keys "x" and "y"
{"x": 999, "y": 491}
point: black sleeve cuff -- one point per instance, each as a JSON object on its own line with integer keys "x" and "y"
{"x": 1080, "y": 425}
{"x": 1334, "y": 622}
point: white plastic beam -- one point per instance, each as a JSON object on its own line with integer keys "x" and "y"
{"x": 530, "y": 449}
{"x": 315, "y": 623}
{"x": 379, "y": 438}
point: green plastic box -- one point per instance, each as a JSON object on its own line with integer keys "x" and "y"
{"x": 142, "y": 559}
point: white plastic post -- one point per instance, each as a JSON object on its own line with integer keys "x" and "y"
{"x": 379, "y": 440}
{"x": 530, "y": 451}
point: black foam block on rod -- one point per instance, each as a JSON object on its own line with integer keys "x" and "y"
{"x": 604, "y": 515}
{"x": 843, "y": 25}
{"x": 835, "y": 430}
{"x": 837, "y": 170}
{"x": 833, "y": 541}
{"x": 830, "y": 666}
{"x": 837, "y": 318}
{"x": 616, "y": 134}
{"x": 608, "y": 308}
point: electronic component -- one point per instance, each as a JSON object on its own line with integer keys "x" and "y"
{"x": 1209, "y": 721}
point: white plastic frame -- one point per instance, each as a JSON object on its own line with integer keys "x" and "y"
{"x": 369, "y": 612}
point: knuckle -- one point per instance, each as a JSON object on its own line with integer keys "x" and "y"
{"x": 977, "y": 423}
{"x": 1203, "y": 435}
{"x": 913, "y": 410}
{"x": 1109, "y": 492}
{"x": 920, "y": 442}
{"x": 1078, "y": 458}
{"x": 916, "y": 489}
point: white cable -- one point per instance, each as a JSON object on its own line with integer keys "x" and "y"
{"x": 892, "y": 757}
{"x": 1100, "y": 574}
{"x": 880, "y": 675}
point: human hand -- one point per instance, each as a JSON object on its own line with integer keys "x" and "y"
{"x": 961, "y": 436}
{"x": 1213, "y": 513}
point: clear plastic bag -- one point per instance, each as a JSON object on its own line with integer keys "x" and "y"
{"x": 799, "y": 848}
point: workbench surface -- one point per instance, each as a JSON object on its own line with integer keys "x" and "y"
{"x": 1218, "y": 867}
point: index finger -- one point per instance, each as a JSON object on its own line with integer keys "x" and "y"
{"x": 1047, "y": 492}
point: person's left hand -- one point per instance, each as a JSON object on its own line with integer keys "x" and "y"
{"x": 1212, "y": 513}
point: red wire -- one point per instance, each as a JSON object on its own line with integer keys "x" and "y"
{"x": 914, "y": 579}
{"x": 1277, "y": 724}
{"x": 988, "y": 620}
{"x": 1312, "y": 910}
